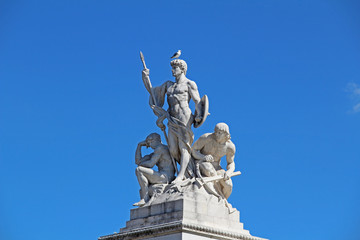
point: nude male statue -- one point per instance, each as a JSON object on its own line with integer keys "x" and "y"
{"x": 161, "y": 158}
{"x": 179, "y": 115}
{"x": 209, "y": 149}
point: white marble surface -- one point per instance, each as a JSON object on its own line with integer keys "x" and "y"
{"x": 191, "y": 205}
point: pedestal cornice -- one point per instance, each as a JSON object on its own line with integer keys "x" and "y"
{"x": 178, "y": 227}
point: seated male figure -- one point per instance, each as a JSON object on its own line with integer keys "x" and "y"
{"x": 144, "y": 172}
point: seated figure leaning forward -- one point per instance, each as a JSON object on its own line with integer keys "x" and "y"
{"x": 144, "y": 172}
{"x": 208, "y": 150}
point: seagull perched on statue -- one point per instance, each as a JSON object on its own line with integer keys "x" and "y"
{"x": 177, "y": 54}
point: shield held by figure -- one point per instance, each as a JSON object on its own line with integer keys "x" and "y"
{"x": 204, "y": 111}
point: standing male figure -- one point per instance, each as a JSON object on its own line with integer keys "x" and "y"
{"x": 179, "y": 115}
{"x": 209, "y": 149}
{"x": 161, "y": 158}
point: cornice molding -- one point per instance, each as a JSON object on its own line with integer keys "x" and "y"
{"x": 177, "y": 227}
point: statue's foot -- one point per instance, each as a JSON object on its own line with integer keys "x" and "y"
{"x": 187, "y": 182}
{"x": 177, "y": 180}
{"x": 139, "y": 203}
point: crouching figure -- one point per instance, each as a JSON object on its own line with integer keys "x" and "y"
{"x": 144, "y": 172}
{"x": 208, "y": 151}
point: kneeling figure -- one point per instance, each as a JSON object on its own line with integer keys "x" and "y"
{"x": 208, "y": 150}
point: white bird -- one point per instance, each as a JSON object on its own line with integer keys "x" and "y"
{"x": 177, "y": 54}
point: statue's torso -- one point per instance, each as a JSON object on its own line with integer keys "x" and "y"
{"x": 214, "y": 149}
{"x": 165, "y": 164}
{"x": 178, "y": 98}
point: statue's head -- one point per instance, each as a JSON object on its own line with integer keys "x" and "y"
{"x": 153, "y": 140}
{"x": 222, "y": 133}
{"x": 180, "y": 64}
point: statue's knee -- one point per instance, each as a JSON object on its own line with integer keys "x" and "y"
{"x": 209, "y": 172}
{"x": 212, "y": 173}
{"x": 210, "y": 169}
{"x": 229, "y": 183}
{"x": 184, "y": 151}
{"x": 138, "y": 170}
{"x": 207, "y": 169}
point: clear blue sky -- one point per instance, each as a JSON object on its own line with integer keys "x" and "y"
{"x": 285, "y": 76}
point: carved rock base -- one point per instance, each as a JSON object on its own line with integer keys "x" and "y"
{"x": 188, "y": 214}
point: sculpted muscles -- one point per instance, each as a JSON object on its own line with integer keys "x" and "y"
{"x": 179, "y": 115}
{"x": 194, "y": 93}
{"x": 209, "y": 149}
{"x": 230, "y": 155}
{"x": 198, "y": 146}
{"x": 152, "y": 159}
{"x": 201, "y": 172}
{"x": 144, "y": 172}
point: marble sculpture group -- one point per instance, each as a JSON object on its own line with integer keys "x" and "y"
{"x": 199, "y": 161}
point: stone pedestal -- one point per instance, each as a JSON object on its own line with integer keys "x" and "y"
{"x": 191, "y": 214}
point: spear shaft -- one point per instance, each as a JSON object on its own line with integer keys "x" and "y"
{"x": 143, "y": 60}
{"x": 148, "y": 87}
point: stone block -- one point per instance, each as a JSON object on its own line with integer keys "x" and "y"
{"x": 188, "y": 217}
{"x": 157, "y": 209}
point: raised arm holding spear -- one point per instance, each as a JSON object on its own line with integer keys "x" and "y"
{"x": 161, "y": 113}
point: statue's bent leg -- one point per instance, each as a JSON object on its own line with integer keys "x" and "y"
{"x": 143, "y": 182}
{"x": 184, "y": 161}
{"x": 156, "y": 177}
{"x": 145, "y": 177}
{"x": 148, "y": 176}
{"x": 226, "y": 187}
{"x": 207, "y": 169}
{"x": 173, "y": 145}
